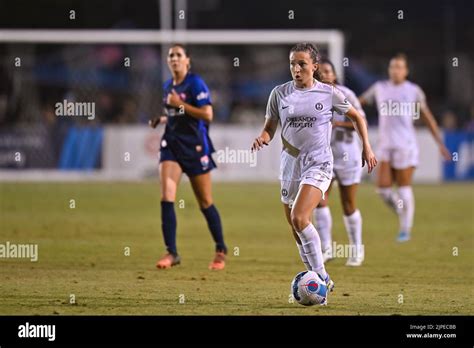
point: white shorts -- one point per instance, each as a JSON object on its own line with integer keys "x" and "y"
{"x": 318, "y": 175}
{"x": 348, "y": 176}
{"x": 399, "y": 158}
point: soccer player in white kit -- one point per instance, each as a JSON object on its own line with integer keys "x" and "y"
{"x": 399, "y": 102}
{"x": 304, "y": 108}
{"x": 347, "y": 171}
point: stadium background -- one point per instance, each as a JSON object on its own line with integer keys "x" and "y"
{"x": 432, "y": 34}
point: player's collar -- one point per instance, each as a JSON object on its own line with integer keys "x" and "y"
{"x": 307, "y": 88}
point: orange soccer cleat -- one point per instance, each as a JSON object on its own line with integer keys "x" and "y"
{"x": 168, "y": 261}
{"x": 219, "y": 261}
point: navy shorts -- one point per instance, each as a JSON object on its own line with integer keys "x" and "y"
{"x": 191, "y": 161}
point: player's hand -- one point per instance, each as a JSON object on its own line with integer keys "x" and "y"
{"x": 445, "y": 153}
{"x": 258, "y": 144}
{"x": 369, "y": 158}
{"x": 173, "y": 99}
{"x": 156, "y": 121}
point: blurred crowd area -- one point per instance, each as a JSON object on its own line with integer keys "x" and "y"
{"x": 124, "y": 82}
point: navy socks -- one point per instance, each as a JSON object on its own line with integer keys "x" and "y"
{"x": 214, "y": 223}
{"x": 168, "y": 226}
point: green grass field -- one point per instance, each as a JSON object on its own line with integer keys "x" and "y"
{"x": 81, "y": 252}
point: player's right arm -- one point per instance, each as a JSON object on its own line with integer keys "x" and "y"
{"x": 267, "y": 134}
{"x": 272, "y": 118}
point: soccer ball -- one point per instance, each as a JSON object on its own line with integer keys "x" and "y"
{"x": 309, "y": 289}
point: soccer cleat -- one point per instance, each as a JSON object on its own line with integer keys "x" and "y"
{"x": 328, "y": 281}
{"x": 403, "y": 237}
{"x": 354, "y": 261}
{"x": 168, "y": 261}
{"x": 330, "y": 287}
{"x": 328, "y": 255}
{"x": 219, "y": 261}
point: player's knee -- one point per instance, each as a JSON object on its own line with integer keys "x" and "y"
{"x": 323, "y": 203}
{"x": 349, "y": 207}
{"x": 205, "y": 203}
{"x": 299, "y": 221}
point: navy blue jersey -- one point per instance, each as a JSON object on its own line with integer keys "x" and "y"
{"x": 186, "y": 139}
{"x": 188, "y": 130}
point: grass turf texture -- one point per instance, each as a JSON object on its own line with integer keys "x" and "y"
{"x": 81, "y": 252}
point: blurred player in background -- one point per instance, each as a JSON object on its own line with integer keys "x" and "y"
{"x": 186, "y": 147}
{"x": 304, "y": 108}
{"x": 399, "y": 102}
{"x": 347, "y": 171}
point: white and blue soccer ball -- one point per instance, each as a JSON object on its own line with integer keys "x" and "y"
{"x": 309, "y": 289}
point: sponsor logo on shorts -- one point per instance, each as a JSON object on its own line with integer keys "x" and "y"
{"x": 205, "y": 162}
{"x": 164, "y": 143}
{"x": 284, "y": 192}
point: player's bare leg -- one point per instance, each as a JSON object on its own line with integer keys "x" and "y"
{"x": 353, "y": 223}
{"x": 202, "y": 188}
{"x": 403, "y": 178}
{"x": 384, "y": 186}
{"x": 306, "y": 201}
{"x": 323, "y": 221}
{"x": 170, "y": 175}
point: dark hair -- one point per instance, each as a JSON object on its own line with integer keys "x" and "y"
{"x": 185, "y": 50}
{"x": 401, "y": 56}
{"x": 183, "y": 47}
{"x": 327, "y": 61}
{"x": 311, "y": 49}
{"x": 313, "y": 52}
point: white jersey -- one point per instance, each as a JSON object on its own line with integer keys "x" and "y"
{"x": 398, "y": 106}
{"x": 344, "y": 142}
{"x": 305, "y": 117}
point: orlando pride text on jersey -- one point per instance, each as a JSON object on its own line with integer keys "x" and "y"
{"x": 186, "y": 138}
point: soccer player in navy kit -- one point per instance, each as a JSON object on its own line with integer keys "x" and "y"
{"x": 186, "y": 147}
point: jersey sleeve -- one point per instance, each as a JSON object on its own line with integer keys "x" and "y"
{"x": 339, "y": 102}
{"x": 200, "y": 93}
{"x": 369, "y": 95}
{"x": 420, "y": 96}
{"x": 355, "y": 102}
{"x": 272, "y": 106}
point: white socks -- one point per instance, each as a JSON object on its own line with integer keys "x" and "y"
{"x": 311, "y": 245}
{"x": 389, "y": 197}
{"x": 323, "y": 219}
{"x": 303, "y": 256}
{"x": 353, "y": 225}
{"x": 403, "y": 204}
{"x": 407, "y": 210}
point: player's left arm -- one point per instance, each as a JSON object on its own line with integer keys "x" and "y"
{"x": 429, "y": 120}
{"x": 361, "y": 127}
{"x": 203, "y": 112}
